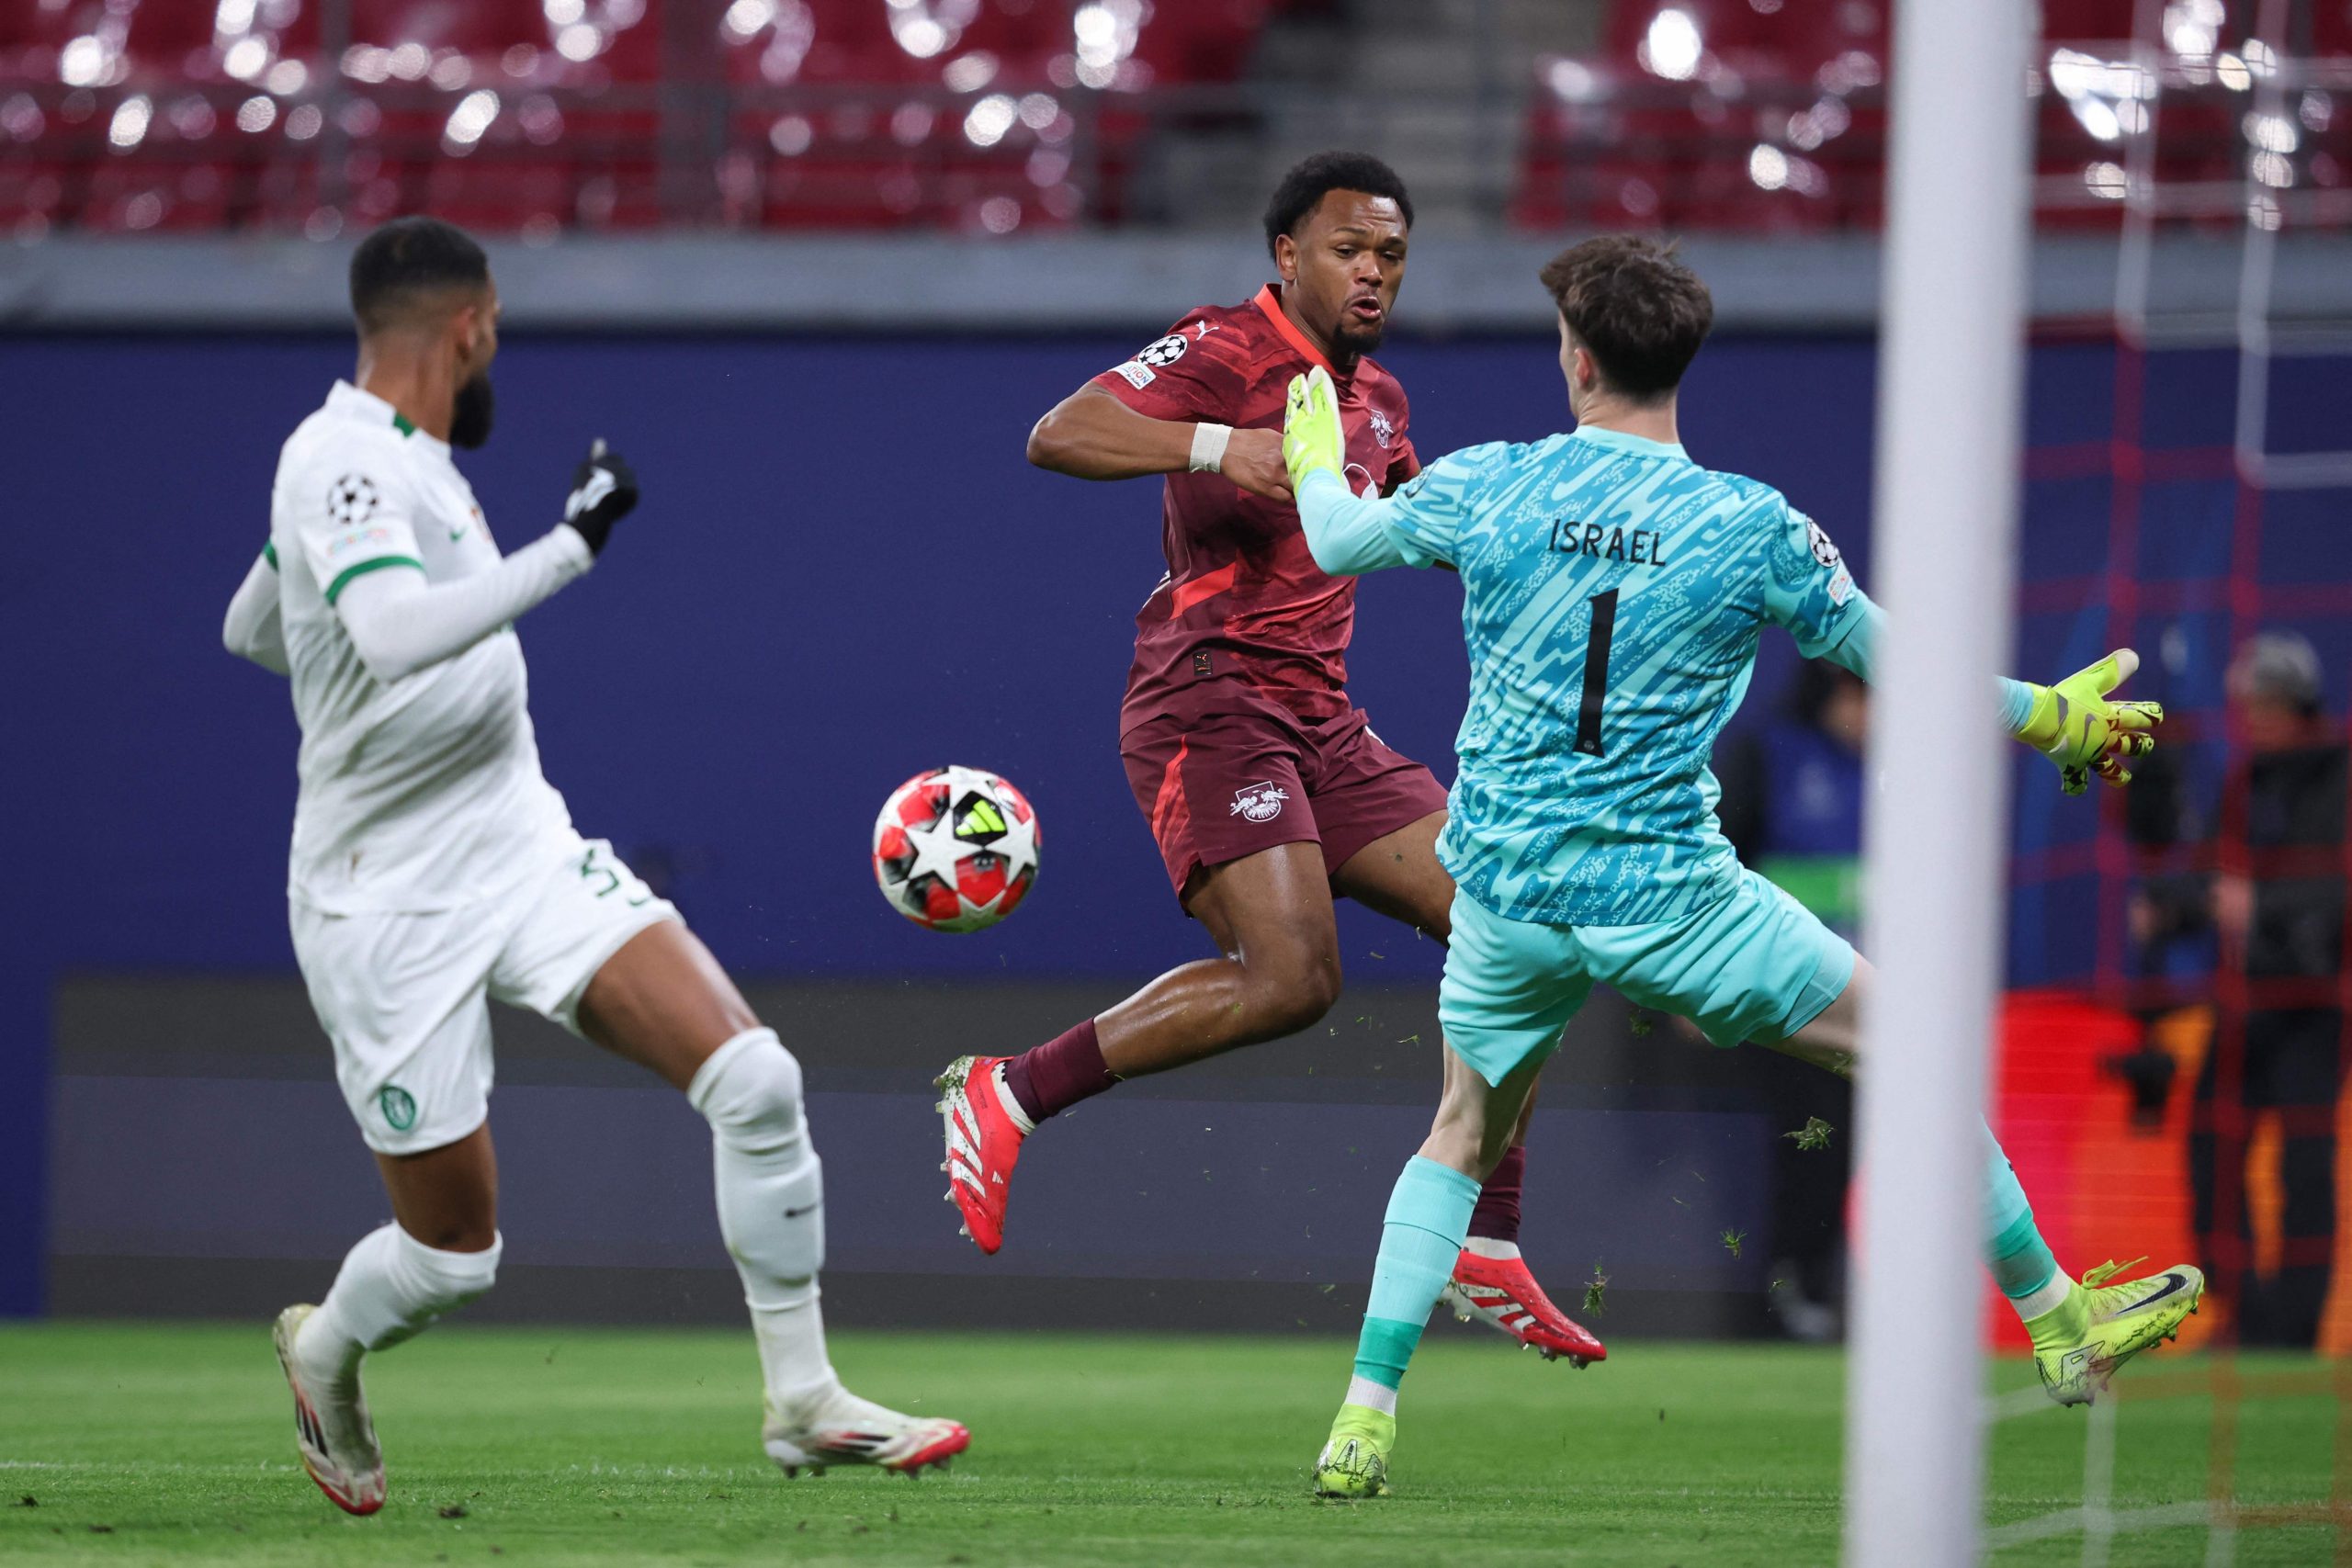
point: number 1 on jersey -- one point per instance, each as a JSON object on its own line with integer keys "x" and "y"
{"x": 1596, "y": 674}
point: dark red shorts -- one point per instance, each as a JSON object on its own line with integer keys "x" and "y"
{"x": 1220, "y": 787}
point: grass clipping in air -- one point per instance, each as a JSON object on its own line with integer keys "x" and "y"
{"x": 1814, "y": 1135}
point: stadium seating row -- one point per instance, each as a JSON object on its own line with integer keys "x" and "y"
{"x": 1770, "y": 115}
{"x": 540, "y": 115}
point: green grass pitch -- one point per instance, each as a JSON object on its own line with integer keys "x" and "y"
{"x": 139, "y": 1443}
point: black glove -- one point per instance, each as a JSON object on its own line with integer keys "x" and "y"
{"x": 604, "y": 488}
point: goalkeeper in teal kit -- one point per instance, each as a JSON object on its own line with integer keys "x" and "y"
{"x": 1613, "y": 593}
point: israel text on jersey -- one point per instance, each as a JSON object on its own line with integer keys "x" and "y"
{"x": 1613, "y": 593}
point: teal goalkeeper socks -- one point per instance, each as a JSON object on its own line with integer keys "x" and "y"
{"x": 2022, "y": 1263}
{"x": 1428, "y": 1215}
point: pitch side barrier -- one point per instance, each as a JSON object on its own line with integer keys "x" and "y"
{"x": 1460, "y": 283}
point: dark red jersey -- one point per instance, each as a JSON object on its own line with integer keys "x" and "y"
{"x": 1244, "y": 616}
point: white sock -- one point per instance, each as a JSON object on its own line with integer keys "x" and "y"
{"x": 793, "y": 1363}
{"x": 1371, "y": 1396}
{"x": 1488, "y": 1247}
{"x": 2046, "y": 1299}
{"x": 390, "y": 1287}
{"x": 771, "y": 1194}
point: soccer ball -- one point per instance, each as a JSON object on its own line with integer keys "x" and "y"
{"x": 955, "y": 849}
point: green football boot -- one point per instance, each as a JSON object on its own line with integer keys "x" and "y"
{"x": 2079, "y": 1344}
{"x": 1354, "y": 1463}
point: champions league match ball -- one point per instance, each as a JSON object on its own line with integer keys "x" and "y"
{"x": 955, "y": 849}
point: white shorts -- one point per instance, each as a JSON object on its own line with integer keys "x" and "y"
{"x": 404, "y": 997}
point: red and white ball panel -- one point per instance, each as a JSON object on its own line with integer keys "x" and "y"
{"x": 955, "y": 849}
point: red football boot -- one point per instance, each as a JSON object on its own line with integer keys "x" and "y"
{"x": 983, "y": 1145}
{"x": 1499, "y": 1291}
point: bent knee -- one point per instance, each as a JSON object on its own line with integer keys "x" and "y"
{"x": 457, "y": 1263}
{"x": 750, "y": 1088}
{"x": 1295, "y": 998}
{"x": 471, "y": 1237}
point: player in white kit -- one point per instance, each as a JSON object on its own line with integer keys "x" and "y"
{"x": 434, "y": 868}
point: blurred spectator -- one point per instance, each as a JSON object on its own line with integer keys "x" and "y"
{"x": 1792, "y": 807}
{"x": 2273, "y": 905}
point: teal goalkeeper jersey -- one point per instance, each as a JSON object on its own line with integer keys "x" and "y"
{"x": 1612, "y": 594}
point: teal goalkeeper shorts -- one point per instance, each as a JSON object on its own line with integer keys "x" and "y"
{"x": 1759, "y": 965}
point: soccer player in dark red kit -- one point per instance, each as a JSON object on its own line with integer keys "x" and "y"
{"x": 1264, "y": 785}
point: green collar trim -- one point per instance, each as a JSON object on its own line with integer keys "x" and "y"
{"x": 401, "y": 424}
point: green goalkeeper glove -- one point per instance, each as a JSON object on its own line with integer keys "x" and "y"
{"x": 2074, "y": 726}
{"x": 1311, "y": 438}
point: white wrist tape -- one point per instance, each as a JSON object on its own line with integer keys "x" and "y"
{"x": 1208, "y": 446}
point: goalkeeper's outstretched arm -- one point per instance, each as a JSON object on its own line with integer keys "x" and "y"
{"x": 2073, "y": 723}
{"x": 1347, "y": 534}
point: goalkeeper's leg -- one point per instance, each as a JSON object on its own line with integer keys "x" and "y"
{"x": 1509, "y": 988}
{"x": 2083, "y": 1331}
{"x": 1421, "y": 1238}
{"x": 1398, "y": 874}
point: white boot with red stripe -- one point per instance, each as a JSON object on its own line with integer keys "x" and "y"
{"x": 831, "y": 1425}
{"x": 332, "y": 1431}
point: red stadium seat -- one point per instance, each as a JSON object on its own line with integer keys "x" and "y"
{"x": 1756, "y": 93}
{"x": 576, "y": 132}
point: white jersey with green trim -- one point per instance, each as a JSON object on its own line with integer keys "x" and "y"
{"x": 424, "y": 792}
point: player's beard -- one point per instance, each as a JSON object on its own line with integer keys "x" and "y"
{"x": 472, "y": 413}
{"x": 1353, "y": 342}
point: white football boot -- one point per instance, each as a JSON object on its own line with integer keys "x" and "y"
{"x": 835, "y": 1426}
{"x": 332, "y": 1431}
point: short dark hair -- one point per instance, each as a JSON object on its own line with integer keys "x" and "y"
{"x": 406, "y": 258}
{"x": 1314, "y": 178}
{"x": 1633, "y": 304}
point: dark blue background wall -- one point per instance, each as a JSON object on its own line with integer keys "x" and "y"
{"x": 842, "y": 573}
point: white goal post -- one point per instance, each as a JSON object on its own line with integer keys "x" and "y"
{"x": 1945, "y": 504}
